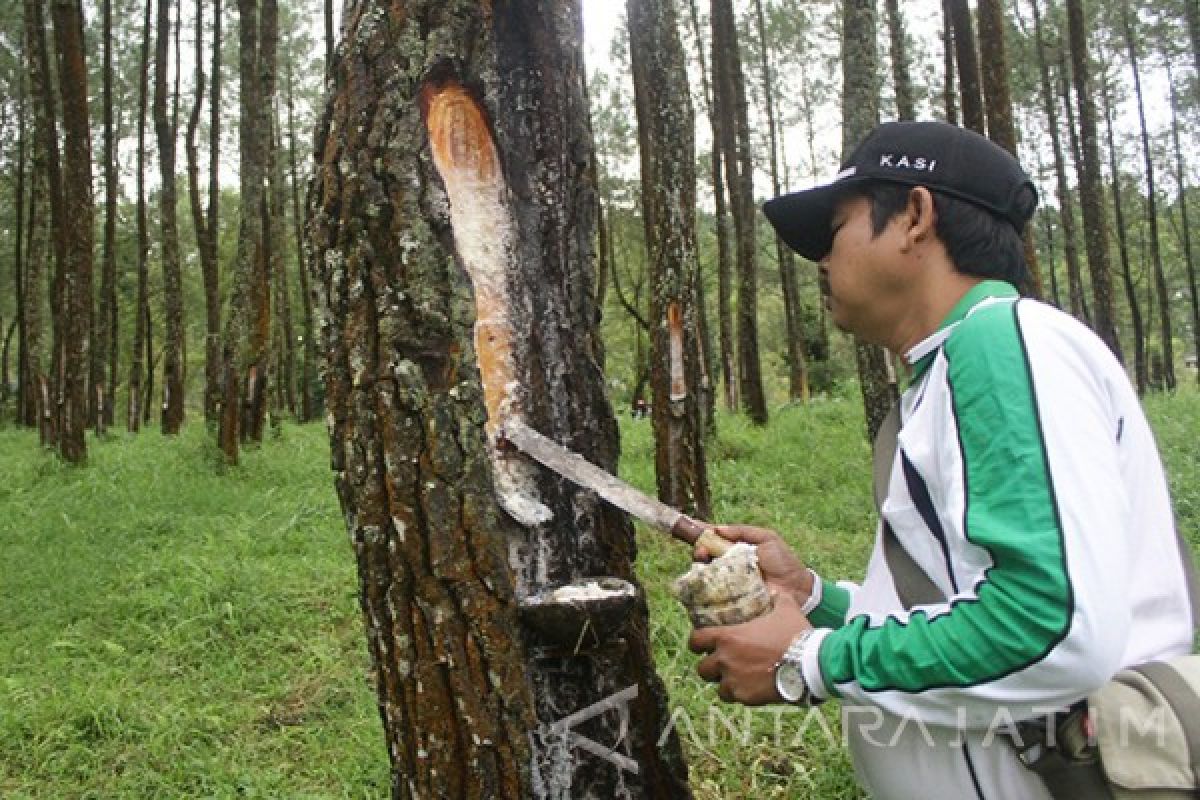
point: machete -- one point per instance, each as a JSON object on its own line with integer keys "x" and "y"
{"x": 582, "y": 472}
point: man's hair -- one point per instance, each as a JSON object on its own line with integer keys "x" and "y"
{"x": 978, "y": 242}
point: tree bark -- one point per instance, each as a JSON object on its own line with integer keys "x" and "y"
{"x": 949, "y": 100}
{"x": 793, "y": 320}
{"x": 285, "y": 334}
{"x": 967, "y": 59}
{"x": 26, "y": 404}
{"x": 138, "y": 360}
{"x": 729, "y": 105}
{"x": 1185, "y": 230}
{"x": 1065, "y": 211}
{"x": 104, "y": 376}
{"x": 309, "y": 406}
{"x": 1156, "y": 257}
{"x": 1135, "y": 311}
{"x": 999, "y": 111}
{"x": 1091, "y": 190}
{"x": 429, "y": 192}
{"x": 860, "y": 113}
{"x": 726, "y": 358}
{"x": 205, "y": 238}
{"x": 173, "y": 367}
{"x": 906, "y": 105}
{"x": 76, "y": 230}
{"x": 247, "y": 328}
{"x": 666, "y": 143}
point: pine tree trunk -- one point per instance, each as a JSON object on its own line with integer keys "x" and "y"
{"x": 901, "y": 73}
{"x": 309, "y": 407}
{"x": 426, "y": 190}
{"x": 999, "y": 111}
{"x": 25, "y": 405}
{"x": 1185, "y": 230}
{"x": 1160, "y": 278}
{"x": 726, "y": 358}
{"x": 173, "y": 367}
{"x": 1135, "y": 311}
{"x": 793, "y": 322}
{"x": 103, "y": 379}
{"x": 970, "y": 93}
{"x": 860, "y": 110}
{"x": 76, "y": 230}
{"x": 729, "y": 105}
{"x": 200, "y": 220}
{"x": 949, "y": 99}
{"x": 139, "y": 364}
{"x": 285, "y": 347}
{"x": 665, "y": 138}
{"x": 1065, "y": 211}
{"x": 1091, "y": 183}
{"x": 247, "y": 325}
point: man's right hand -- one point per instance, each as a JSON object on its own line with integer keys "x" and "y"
{"x": 781, "y": 569}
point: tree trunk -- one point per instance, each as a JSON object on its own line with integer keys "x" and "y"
{"x": 1065, "y": 211}
{"x": 726, "y": 357}
{"x": 173, "y": 368}
{"x": 1160, "y": 277}
{"x": 285, "y": 347}
{"x": 329, "y": 41}
{"x": 248, "y": 324}
{"x": 794, "y": 323}
{"x": 906, "y": 105}
{"x": 76, "y": 230}
{"x": 999, "y": 110}
{"x": 860, "y": 113}
{"x": 1091, "y": 192}
{"x": 1135, "y": 311}
{"x": 668, "y": 155}
{"x": 309, "y": 407}
{"x": 970, "y": 93}
{"x": 425, "y": 190}
{"x": 729, "y": 105}
{"x": 138, "y": 361}
{"x": 948, "y": 71}
{"x": 105, "y": 328}
{"x": 205, "y": 239}
{"x": 25, "y": 405}
{"x": 1185, "y": 230}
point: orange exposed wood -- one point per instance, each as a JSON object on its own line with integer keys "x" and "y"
{"x": 466, "y": 158}
{"x": 679, "y": 387}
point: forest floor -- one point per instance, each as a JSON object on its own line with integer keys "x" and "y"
{"x": 170, "y": 629}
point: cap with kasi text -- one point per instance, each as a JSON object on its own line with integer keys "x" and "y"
{"x": 939, "y": 156}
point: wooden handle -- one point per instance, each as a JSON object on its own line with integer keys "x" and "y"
{"x": 695, "y": 533}
{"x": 714, "y": 543}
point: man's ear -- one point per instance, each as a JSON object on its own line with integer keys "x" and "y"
{"x": 920, "y": 215}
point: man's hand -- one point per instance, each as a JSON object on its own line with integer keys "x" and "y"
{"x": 782, "y": 570}
{"x": 742, "y": 658}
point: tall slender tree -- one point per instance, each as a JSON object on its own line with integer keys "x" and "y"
{"x": 140, "y": 365}
{"x": 1165, "y": 332}
{"x": 966, "y": 56}
{"x": 949, "y": 97}
{"x": 793, "y": 320}
{"x": 727, "y": 357}
{"x": 1185, "y": 230}
{"x": 730, "y": 105}
{"x": 76, "y": 229}
{"x": 1141, "y": 375}
{"x": 665, "y": 125}
{"x": 308, "y": 366}
{"x": 104, "y": 377}
{"x": 906, "y": 103}
{"x": 1091, "y": 191}
{"x": 173, "y": 405}
{"x": 860, "y": 113}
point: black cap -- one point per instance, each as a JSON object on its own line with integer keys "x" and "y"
{"x": 941, "y": 157}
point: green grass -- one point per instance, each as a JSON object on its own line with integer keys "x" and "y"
{"x": 169, "y": 629}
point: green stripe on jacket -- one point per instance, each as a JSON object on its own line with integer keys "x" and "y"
{"x": 1023, "y": 607}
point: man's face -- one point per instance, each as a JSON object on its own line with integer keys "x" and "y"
{"x": 860, "y": 276}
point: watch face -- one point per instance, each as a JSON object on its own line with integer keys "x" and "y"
{"x": 789, "y": 682}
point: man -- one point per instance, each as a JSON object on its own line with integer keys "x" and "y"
{"x": 1026, "y": 487}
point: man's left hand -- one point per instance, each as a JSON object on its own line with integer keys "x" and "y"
{"x": 742, "y": 658}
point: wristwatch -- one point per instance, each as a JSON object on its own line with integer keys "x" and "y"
{"x": 789, "y": 673}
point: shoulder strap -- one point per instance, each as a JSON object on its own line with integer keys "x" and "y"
{"x": 913, "y": 586}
